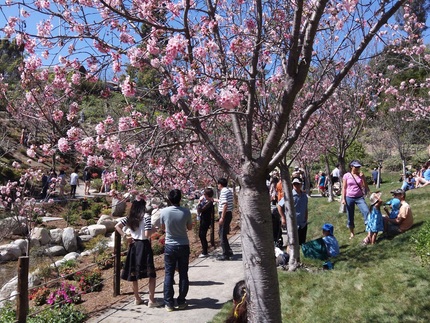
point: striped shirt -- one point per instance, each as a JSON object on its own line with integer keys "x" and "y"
{"x": 225, "y": 197}
{"x": 139, "y": 233}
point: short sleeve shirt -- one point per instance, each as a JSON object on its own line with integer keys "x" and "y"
{"x": 176, "y": 220}
{"x": 138, "y": 233}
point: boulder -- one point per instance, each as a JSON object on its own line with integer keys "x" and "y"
{"x": 14, "y": 225}
{"x": 8, "y": 289}
{"x": 107, "y": 221}
{"x": 97, "y": 229}
{"x": 34, "y": 243}
{"x": 10, "y": 252}
{"x": 72, "y": 256}
{"x": 84, "y": 231}
{"x": 55, "y": 251}
{"x": 56, "y": 236}
{"x": 85, "y": 238}
{"x": 40, "y": 234}
{"x": 69, "y": 239}
{"x": 22, "y": 244}
{"x": 118, "y": 207}
{"x": 86, "y": 253}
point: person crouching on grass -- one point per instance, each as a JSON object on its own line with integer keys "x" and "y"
{"x": 140, "y": 259}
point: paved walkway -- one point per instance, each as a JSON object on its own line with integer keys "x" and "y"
{"x": 211, "y": 286}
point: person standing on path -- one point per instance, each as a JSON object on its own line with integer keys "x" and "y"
{"x": 206, "y": 210}
{"x": 225, "y": 210}
{"x": 140, "y": 259}
{"x": 354, "y": 189}
{"x": 74, "y": 182}
{"x": 175, "y": 220}
{"x": 87, "y": 180}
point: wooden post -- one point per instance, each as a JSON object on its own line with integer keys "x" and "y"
{"x": 117, "y": 265}
{"x": 22, "y": 289}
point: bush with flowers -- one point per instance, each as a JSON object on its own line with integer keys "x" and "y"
{"x": 66, "y": 294}
{"x": 89, "y": 281}
{"x": 39, "y": 295}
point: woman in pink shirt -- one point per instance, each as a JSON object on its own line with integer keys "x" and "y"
{"x": 354, "y": 189}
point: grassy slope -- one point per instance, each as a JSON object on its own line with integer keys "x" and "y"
{"x": 381, "y": 283}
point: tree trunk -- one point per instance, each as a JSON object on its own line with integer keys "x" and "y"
{"x": 258, "y": 252}
{"x": 290, "y": 213}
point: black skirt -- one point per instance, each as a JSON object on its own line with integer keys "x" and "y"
{"x": 139, "y": 262}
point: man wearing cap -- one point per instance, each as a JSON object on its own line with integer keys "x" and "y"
{"x": 404, "y": 219}
{"x": 301, "y": 206}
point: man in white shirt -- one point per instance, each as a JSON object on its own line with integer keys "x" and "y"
{"x": 74, "y": 182}
{"x": 225, "y": 210}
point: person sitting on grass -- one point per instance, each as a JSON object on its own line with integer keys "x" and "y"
{"x": 374, "y": 219}
{"x": 240, "y": 299}
{"x": 404, "y": 219}
{"x": 329, "y": 239}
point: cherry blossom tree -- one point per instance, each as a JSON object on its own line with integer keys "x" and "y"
{"x": 241, "y": 78}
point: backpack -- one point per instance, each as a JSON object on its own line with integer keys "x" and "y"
{"x": 315, "y": 249}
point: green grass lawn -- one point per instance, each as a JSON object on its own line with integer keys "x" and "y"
{"x": 382, "y": 283}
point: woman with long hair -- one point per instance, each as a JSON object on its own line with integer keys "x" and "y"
{"x": 240, "y": 300}
{"x": 136, "y": 228}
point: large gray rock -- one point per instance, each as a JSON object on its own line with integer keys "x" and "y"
{"x": 56, "y": 236}
{"x": 118, "y": 207}
{"x": 55, "y": 251}
{"x": 96, "y": 230}
{"x": 83, "y": 231}
{"x": 10, "y": 252}
{"x": 40, "y": 234}
{"x": 108, "y": 221}
{"x": 72, "y": 256}
{"x": 69, "y": 239}
{"x": 14, "y": 226}
{"x": 22, "y": 244}
{"x": 8, "y": 289}
{"x": 86, "y": 237}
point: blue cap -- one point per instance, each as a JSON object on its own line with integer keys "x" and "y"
{"x": 328, "y": 227}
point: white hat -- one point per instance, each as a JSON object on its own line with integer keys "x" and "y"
{"x": 297, "y": 180}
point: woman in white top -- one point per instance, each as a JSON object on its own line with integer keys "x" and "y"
{"x": 140, "y": 260}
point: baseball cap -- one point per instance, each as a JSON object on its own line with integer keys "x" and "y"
{"x": 296, "y": 180}
{"x": 355, "y": 163}
{"x": 328, "y": 227}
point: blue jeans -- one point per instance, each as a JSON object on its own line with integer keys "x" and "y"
{"x": 176, "y": 256}
{"x": 350, "y": 209}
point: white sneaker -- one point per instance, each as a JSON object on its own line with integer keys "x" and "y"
{"x": 203, "y": 255}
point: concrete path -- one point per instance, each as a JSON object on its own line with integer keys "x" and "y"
{"x": 211, "y": 286}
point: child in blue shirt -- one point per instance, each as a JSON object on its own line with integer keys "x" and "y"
{"x": 395, "y": 207}
{"x": 330, "y": 241}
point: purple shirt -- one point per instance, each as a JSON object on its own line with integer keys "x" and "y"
{"x": 352, "y": 189}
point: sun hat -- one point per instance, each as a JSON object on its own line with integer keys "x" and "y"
{"x": 328, "y": 227}
{"x": 297, "y": 180}
{"x": 355, "y": 163}
{"x": 374, "y": 198}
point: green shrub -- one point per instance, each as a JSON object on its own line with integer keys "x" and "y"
{"x": 104, "y": 261}
{"x": 89, "y": 281}
{"x": 422, "y": 243}
{"x": 7, "y": 313}
{"x": 67, "y": 268}
{"x": 87, "y": 215}
{"x": 96, "y": 184}
{"x": 96, "y": 208}
{"x": 65, "y": 314}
